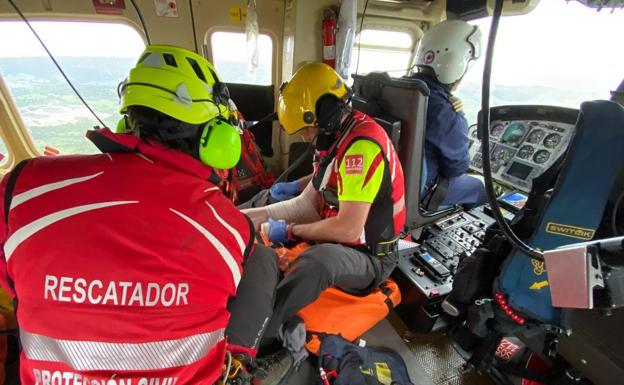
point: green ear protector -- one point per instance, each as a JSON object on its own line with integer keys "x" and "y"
{"x": 219, "y": 142}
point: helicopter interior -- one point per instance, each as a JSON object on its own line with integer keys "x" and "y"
{"x": 528, "y": 146}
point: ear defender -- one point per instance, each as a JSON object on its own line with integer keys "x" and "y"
{"x": 123, "y": 127}
{"x": 219, "y": 144}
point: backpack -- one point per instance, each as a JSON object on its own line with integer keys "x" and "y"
{"x": 349, "y": 364}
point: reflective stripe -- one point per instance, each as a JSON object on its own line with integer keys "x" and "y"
{"x": 18, "y": 199}
{"x": 223, "y": 251}
{"x": 109, "y": 156}
{"x": 399, "y": 206}
{"x": 211, "y": 189}
{"x": 391, "y": 158}
{"x": 236, "y": 234}
{"x": 30, "y": 229}
{"x": 95, "y": 355}
{"x": 144, "y": 157}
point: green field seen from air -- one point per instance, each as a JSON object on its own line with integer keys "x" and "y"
{"x": 55, "y": 117}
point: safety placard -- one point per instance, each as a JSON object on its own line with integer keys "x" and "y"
{"x": 109, "y": 7}
{"x": 166, "y": 8}
{"x": 238, "y": 13}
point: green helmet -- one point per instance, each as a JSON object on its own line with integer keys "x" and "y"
{"x": 185, "y": 86}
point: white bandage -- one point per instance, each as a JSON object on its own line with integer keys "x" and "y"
{"x": 302, "y": 209}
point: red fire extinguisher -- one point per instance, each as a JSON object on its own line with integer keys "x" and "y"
{"x": 329, "y": 37}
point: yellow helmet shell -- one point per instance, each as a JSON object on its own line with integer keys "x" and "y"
{"x": 297, "y": 99}
{"x": 176, "y": 82}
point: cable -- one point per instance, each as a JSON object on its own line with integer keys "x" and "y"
{"x": 136, "y": 8}
{"x": 616, "y": 207}
{"x": 55, "y": 62}
{"x": 484, "y": 124}
{"x": 227, "y": 367}
{"x": 357, "y": 66}
{"x": 295, "y": 164}
{"x": 193, "y": 25}
{"x": 269, "y": 118}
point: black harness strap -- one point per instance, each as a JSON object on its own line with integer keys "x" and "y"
{"x": 8, "y": 193}
{"x": 253, "y": 236}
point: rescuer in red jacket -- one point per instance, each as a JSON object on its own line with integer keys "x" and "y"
{"x": 354, "y": 207}
{"x": 125, "y": 264}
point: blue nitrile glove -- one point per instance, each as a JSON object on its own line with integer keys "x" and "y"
{"x": 278, "y": 231}
{"x": 285, "y": 190}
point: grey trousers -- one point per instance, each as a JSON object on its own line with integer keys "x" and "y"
{"x": 318, "y": 268}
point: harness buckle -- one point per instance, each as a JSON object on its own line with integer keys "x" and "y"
{"x": 386, "y": 248}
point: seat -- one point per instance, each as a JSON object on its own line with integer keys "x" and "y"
{"x": 401, "y": 104}
{"x": 575, "y": 210}
{"x": 256, "y": 102}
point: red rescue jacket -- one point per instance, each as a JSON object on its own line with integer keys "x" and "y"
{"x": 386, "y": 218}
{"x": 122, "y": 264}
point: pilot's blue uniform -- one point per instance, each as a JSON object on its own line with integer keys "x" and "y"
{"x": 446, "y": 148}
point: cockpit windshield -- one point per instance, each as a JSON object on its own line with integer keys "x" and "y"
{"x": 561, "y": 53}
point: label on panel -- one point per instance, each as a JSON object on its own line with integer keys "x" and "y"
{"x": 238, "y": 13}
{"x": 109, "y": 7}
{"x": 166, "y": 8}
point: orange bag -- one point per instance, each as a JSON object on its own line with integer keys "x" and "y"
{"x": 336, "y": 312}
{"x": 287, "y": 256}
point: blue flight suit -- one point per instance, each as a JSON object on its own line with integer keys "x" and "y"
{"x": 446, "y": 148}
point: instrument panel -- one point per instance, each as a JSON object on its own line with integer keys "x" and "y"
{"x": 524, "y": 142}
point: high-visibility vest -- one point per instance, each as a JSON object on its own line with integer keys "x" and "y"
{"x": 386, "y": 218}
{"x": 123, "y": 264}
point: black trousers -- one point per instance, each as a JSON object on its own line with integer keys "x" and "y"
{"x": 252, "y": 307}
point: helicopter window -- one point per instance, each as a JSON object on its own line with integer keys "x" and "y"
{"x": 4, "y": 152}
{"x": 382, "y": 50}
{"x": 229, "y": 57}
{"x": 95, "y": 56}
{"x": 561, "y": 53}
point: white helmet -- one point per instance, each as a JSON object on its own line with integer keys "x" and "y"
{"x": 447, "y": 48}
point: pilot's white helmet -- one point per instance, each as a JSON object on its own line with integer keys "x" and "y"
{"x": 448, "y": 48}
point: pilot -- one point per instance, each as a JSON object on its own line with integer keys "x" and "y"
{"x": 443, "y": 58}
{"x": 126, "y": 264}
{"x": 353, "y": 209}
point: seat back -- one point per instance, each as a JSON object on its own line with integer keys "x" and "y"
{"x": 576, "y": 207}
{"x": 401, "y": 104}
{"x": 256, "y": 102}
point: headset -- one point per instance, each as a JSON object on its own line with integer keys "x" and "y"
{"x": 219, "y": 139}
{"x": 329, "y": 111}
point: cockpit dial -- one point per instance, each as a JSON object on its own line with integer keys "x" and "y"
{"x": 535, "y": 136}
{"x": 525, "y": 152}
{"x": 541, "y": 157}
{"x": 497, "y": 129}
{"x": 552, "y": 140}
{"x": 514, "y": 133}
{"x": 501, "y": 154}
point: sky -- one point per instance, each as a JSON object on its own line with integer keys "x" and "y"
{"x": 70, "y": 39}
{"x": 559, "y": 44}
